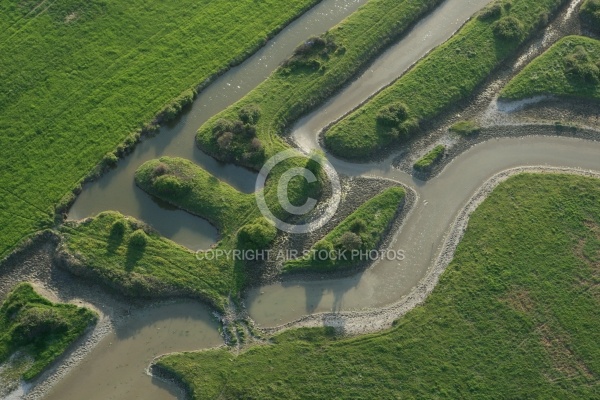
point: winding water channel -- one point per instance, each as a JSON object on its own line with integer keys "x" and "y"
{"x": 115, "y": 368}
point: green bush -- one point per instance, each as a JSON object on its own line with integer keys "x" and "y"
{"x": 250, "y": 114}
{"x": 509, "y": 28}
{"x": 491, "y": 11}
{"x": 257, "y": 235}
{"x": 590, "y": 14}
{"x": 358, "y": 226}
{"x": 170, "y": 185}
{"x": 118, "y": 228}
{"x": 465, "y": 128}
{"x": 224, "y": 140}
{"x": 350, "y": 241}
{"x": 426, "y": 162}
{"x": 392, "y": 115}
{"x": 138, "y": 239}
{"x": 580, "y": 65}
{"x": 110, "y": 159}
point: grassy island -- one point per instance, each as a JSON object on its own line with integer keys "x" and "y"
{"x": 363, "y": 230}
{"x": 449, "y": 74}
{"x": 130, "y": 257}
{"x": 249, "y": 131}
{"x": 35, "y": 331}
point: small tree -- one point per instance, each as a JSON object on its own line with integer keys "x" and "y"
{"x": 225, "y": 140}
{"x": 249, "y": 114}
{"x": 358, "y": 226}
{"x": 138, "y": 239}
{"x": 509, "y": 28}
{"x": 118, "y": 229}
{"x": 350, "y": 241}
{"x": 392, "y": 115}
{"x": 257, "y": 235}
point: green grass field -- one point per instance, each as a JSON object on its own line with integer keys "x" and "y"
{"x": 515, "y": 315}
{"x": 128, "y": 256}
{"x": 362, "y": 230}
{"x": 319, "y": 67}
{"x": 446, "y": 76}
{"x": 77, "y": 77}
{"x": 570, "y": 68}
{"x": 38, "y": 329}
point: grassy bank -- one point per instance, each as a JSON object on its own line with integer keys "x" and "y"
{"x": 426, "y": 162}
{"x": 77, "y": 77}
{"x": 128, "y": 256}
{"x": 515, "y": 315}
{"x": 187, "y": 186}
{"x": 248, "y": 132}
{"x": 38, "y": 329}
{"x": 449, "y": 74}
{"x": 361, "y": 231}
{"x": 570, "y": 68}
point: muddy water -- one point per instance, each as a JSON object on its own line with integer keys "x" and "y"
{"x": 424, "y": 230}
{"x": 386, "y": 282}
{"x": 117, "y": 191}
{"x": 115, "y": 369}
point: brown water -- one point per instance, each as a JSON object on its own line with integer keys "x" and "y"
{"x": 117, "y": 190}
{"x": 421, "y": 237}
{"x": 424, "y": 231}
{"x": 115, "y": 369}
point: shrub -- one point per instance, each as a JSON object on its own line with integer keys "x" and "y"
{"x": 138, "y": 239}
{"x": 250, "y": 130}
{"x": 587, "y": 72}
{"x": 160, "y": 169}
{"x": 392, "y": 115}
{"x": 323, "y": 245}
{"x": 509, "y": 28}
{"x": 492, "y": 11}
{"x": 465, "y": 128}
{"x": 579, "y": 64}
{"x": 350, "y": 241}
{"x": 256, "y": 144}
{"x": 358, "y": 226}
{"x": 225, "y": 140}
{"x": 110, "y": 159}
{"x": 169, "y": 185}
{"x": 426, "y": 162}
{"x": 250, "y": 114}
{"x": 310, "y": 45}
{"x": 590, "y": 14}
{"x": 257, "y": 235}
{"x": 118, "y": 228}
{"x": 222, "y": 126}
